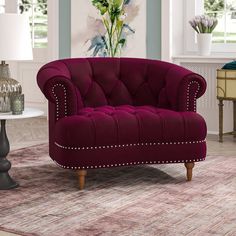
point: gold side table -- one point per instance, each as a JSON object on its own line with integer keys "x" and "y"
{"x": 226, "y": 90}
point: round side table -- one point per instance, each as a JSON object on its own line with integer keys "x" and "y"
{"x": 6, "y": 182}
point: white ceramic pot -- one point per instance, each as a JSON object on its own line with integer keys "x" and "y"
{"x": 204, "y": 44}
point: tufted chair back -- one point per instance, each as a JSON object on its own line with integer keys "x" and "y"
{"x": 118, "y": 81}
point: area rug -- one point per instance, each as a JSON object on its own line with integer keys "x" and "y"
{"x": 139, "y": 201}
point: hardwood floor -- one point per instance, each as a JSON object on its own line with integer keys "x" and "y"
{"x": 24, "y": 133}
{"x": 27, "y": 132}
{"x": 227, "y": 148}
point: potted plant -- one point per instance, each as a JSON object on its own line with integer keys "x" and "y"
{"x": 204, "y": 26}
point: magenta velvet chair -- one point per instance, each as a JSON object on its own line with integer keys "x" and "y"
{"x": 111, "y": 112}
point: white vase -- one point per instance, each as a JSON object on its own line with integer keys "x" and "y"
{"x": 204, "y": 44}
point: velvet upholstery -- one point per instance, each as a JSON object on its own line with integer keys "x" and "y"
{"x": 106, "y": 112}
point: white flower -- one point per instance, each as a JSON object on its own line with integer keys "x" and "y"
{"x": 205, "y": 22}
{"x": 197, "y": 19}
{"x": 192, "y": 23}
{"x": 203, "y": 17}
{"x": 210, "y": 22}
{"x": 123, "y": 16}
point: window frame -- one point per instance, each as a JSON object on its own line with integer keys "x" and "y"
{"x": 33, "y": 6}
{"x": 191, "y": 9}
{"x": 51, "y": 52}
{"x": 2, "y": 5}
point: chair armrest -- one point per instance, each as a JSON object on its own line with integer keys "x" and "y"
{"x": 55, "y": 82}
{"x": 183, "y": 87}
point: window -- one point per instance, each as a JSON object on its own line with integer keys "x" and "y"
{"x": 43, "y": 16}
{"x": 224, "y": 35}
{"x": 2, "y": 6}
{"x": 38, "y": 15}
{"x": 225, "y": 12}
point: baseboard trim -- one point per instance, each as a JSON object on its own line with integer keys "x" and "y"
{"x": 213, "y": 132}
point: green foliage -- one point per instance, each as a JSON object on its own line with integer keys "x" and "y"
{"x": 213, "y": 5}
{"x": 122, "y": 42}
{"x": 126, "y": 2}
{"x": 41, "y": 6}
{"x": 101, "y": 5}
{"x": 117, "y": 3}
{"x": 114, "y": 12}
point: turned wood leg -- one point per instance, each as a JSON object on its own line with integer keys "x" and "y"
{"x": 189, "y": 166}
{"x": 221, "y": 105}
{"x": 81, "y": 177}
{"x": 234, "y": 119}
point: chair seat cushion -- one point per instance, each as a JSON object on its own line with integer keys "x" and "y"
{"x": 128, "y": 125}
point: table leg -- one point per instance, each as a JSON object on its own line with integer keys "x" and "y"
{"x": 234, "y": 119}
{"x": 221, "y": 104}
{"x": 6, "y": 182}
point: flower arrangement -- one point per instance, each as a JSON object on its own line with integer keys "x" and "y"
{"x": 113, "y": 27}
{"x": 203, "y": 24}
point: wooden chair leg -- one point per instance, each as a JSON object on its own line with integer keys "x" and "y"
{"x": 234, "y": 119}
{"x": 81, "y": 177}
{"x": 189, "y": 166}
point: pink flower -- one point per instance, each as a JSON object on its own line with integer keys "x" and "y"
{"x": 131, "y": 11}
{"x": 94, "y": 27}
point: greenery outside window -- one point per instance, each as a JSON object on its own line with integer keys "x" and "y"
{"x": 225, "y": 12}
{"x": 224, "y": 35}
{"x": 38, "y": 15}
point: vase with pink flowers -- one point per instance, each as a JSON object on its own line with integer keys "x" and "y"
{"x": 204, "y": 26}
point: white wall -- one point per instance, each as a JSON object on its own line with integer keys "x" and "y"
{"x": 175, "y": 11}
{"x": 172, "y": 28}
{"x": 177, "y": 27}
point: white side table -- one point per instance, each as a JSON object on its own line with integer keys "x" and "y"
{"x": 6, "y": 182}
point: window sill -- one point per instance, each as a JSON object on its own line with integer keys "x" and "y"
{"x": 203, "y": 59}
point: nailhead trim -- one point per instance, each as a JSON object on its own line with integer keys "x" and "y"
{"x": 127, "y": 164}
{"x": 57, "y": 100}
{"x": 195, "y": 95}
{"x": 65, "y": 96}
{"x": 128, "y": 145}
